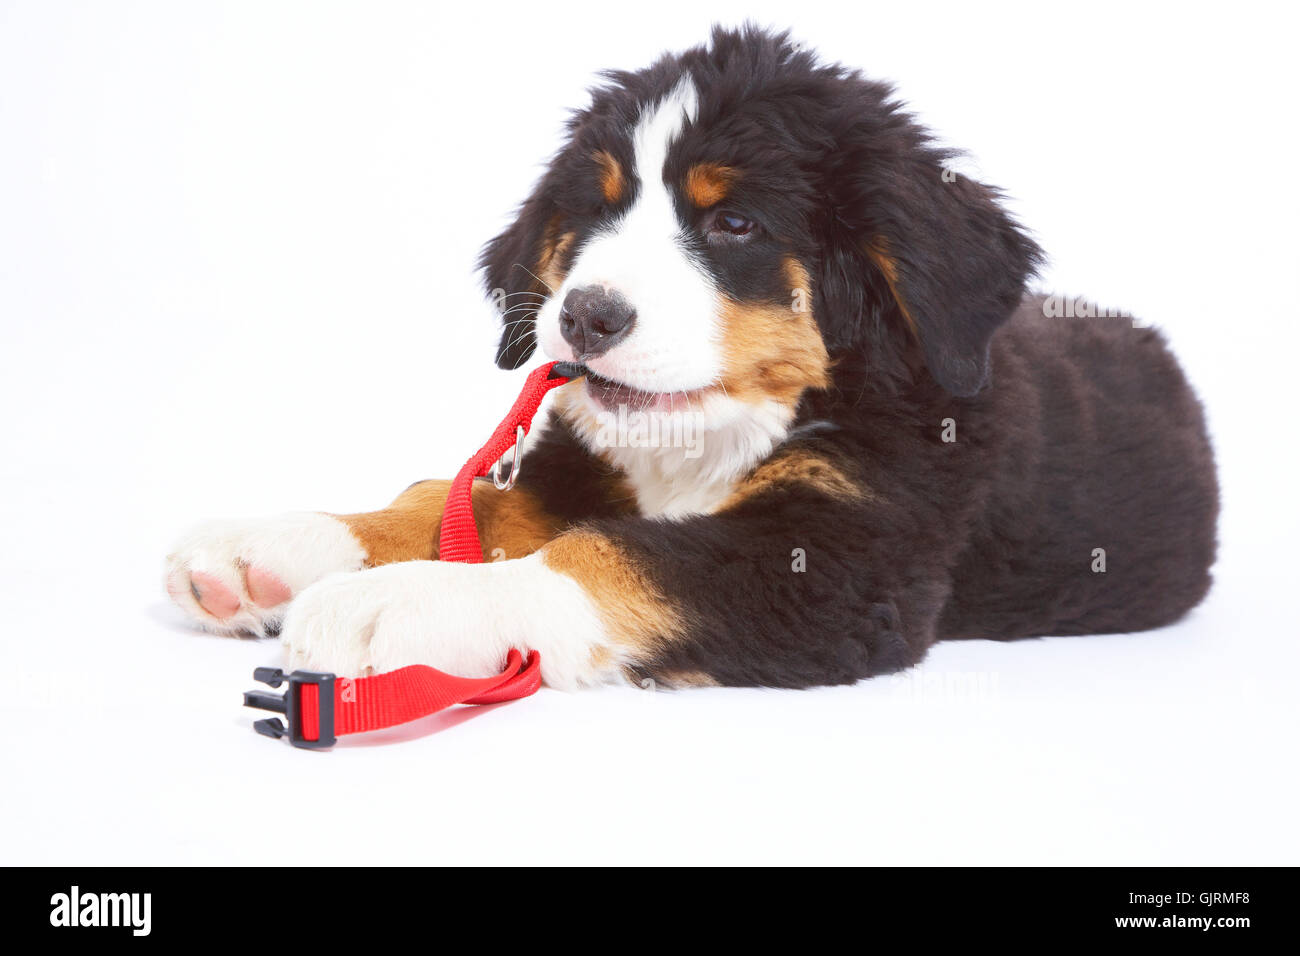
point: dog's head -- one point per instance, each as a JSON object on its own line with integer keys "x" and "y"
{"x": 723, "y": 225}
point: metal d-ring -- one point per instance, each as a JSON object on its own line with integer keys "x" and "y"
{"x": 516, "y": 463}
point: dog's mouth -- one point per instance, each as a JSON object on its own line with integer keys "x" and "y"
{"x": 611, "y": 395}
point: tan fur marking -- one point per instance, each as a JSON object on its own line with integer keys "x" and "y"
{"x": 636, "y": 614}
{"x": 407, "y": 530}
{"x": 685, "y": 679}
{"x": 612, "y": 182}
{"x": 774, "y": 351}
{"x": 511, "y": 524}
{"x": 797, "y": 467}
{"x": 707, "y": 184}
{"x": 878, "y": 252}
{"x": 549, "y": 273}
{"x": 796, "y": 277}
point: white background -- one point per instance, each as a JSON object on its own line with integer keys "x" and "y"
{"x": 236, "y": 277}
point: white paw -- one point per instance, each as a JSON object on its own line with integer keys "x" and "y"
{"x": 460, "y": 618}
{"x": 239, "y": 576}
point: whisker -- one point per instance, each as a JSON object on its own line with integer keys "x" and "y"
{"x": 517, "y": 337}
{"x": 525, "y": 329}
{"x": 535, "y": 276}
{"x": 520, "y": 308}
{"x": 523, "y": 320}
{"x": 533, "y": 303}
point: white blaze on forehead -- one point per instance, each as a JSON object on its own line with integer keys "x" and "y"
{"x": 643, "y": 255}
{"x": 656, "y": 131}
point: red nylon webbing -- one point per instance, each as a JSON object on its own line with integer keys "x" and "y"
{"x": 458, "y": 539}
{"x": 409, "y": 693}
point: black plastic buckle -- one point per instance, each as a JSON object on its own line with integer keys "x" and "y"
{"x": 288, "y": 704}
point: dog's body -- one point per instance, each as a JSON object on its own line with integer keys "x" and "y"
{"x": 856, "y": 435}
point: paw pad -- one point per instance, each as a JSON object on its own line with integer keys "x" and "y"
{"x": 213, "y": 596}
{"x": 265, "y": 588}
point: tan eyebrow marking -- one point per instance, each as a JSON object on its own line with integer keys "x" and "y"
{"x": 612, "y": 181}
{"x": 707, "y": 184}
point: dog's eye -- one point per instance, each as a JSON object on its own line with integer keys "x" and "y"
{"x": 731, "y": 223}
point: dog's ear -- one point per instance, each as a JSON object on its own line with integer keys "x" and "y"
{"x": 937, "y": 259}
{"x": 955, "y": 265}
{"x": 513, "y": 265}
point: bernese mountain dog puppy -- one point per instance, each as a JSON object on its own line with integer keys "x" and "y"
{"x": 822, "y": 426}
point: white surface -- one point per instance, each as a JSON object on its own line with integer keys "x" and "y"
{"x": 236, "y": 245}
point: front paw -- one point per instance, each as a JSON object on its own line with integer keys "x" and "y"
{"x": 460, "y": 618}
{"x": 414, "y": 612}
{"x": 238, "y": 576}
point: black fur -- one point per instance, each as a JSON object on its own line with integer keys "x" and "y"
{"x": 1071, "y": 434}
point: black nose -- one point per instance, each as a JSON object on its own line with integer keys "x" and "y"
{"x": 594, "y": 319}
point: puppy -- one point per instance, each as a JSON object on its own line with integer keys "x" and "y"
{"x": 822, "y": 427}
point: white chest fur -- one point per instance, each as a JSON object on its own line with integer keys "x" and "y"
{"x": 683, "y": 463}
